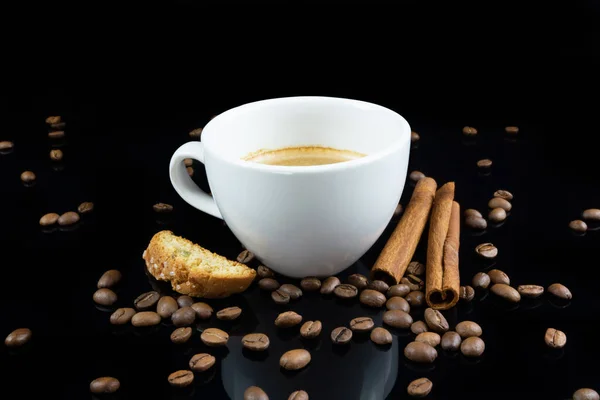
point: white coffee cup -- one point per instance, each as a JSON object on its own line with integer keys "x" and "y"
{"x": 300, "y": 220}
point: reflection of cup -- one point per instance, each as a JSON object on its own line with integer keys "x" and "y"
{"x": 301, "y": 220}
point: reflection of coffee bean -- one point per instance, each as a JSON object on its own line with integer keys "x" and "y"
{"x": 268, "y": 284}
{"x": 109, "y": 279}
{"x": 18, "y": 337}
{"x": 256, "y": 341}
{"x": 435, "y": 320}
{"x": 418, "y": 327}
{"x": 288, "y": 319}
{"x": 531, "y": 291}
{"x": 181, "y": 335}
{"x": 381, "y": 336}
{"x": 415, "y": 298}
{"x": 162, "y": 208}
{"x": 419, "y": 387}
{"x": 329, "y": 284}
{"x": 451, "y": 341}
{"x": 145, "y": 318}
{"x": 214, "y": 337}
{"x": 188, "y": 162}
{"x": 560, "y": 291}
{"x": 245, "y": 257}
{"x": 105, "y": 297}
{"x": 372, "y": 298}
{"x": 49, "y": 219}
{"x": 506, "y": 292}
{"x": 472, "y": 347}
{"x": 229, "y": 313}
{"x": 58, "y": 125}
{"x": 146, "y": 301}
{"x": 85, "y": 207}
{"x": 362, "y": 324}
{"x": 497, "y": 215}
{"x": 415, "y": 268}
{"x": 414, "y": 136}
{"x": 264, "y": 272}
{"x": 399, "y": 290}
{"x": 311, "y": 329}
{"x": 503, "y": 194}
{"x": 398, "y": 210}
{"x": 295, "y": 359}
{"x": 56, "y": 134}
{"x": 195, "y": 133}
{"x": 468, "y": 328}
{"x": 255, "y": 393}
{"x": 27, "y": 177}
{"x": 420, "y": 352}
{"x": 397, "y": 319}
{"x": 471, "y": 212}
{"x": 183, "y": 317}
{"x": 555, "y": 338}
{"x": 486, "y": 250}
{"x": 181, "y": 378}
{"x": 201, "y": 362}
{"x": 105, "y": 384}
{"x": 497, "y": 276}
{"x": 122, "y": 316}
{"x": 298, "y": 395}
{"x": 466, "y": 293}
{"x": 474, "y": 222}
{"x": 190, "y": 171}
{"x": 291, "y": 290}
{"x": 431, "y": 338}
{"x": 397, "y": 303}
{"x": 310, "y": 284}
{"x": 481, "y": 280}
{"x": 358, "y": 280}
{"x": 166, "y": 306}
{"x": 341, "y": 335}
{"x": 345, "y": 291}
{"x": 203, "y": 310}
{"x": 68, "y": 218}
{"x": 185, "y": 301}
{"x": 280, "y": 297}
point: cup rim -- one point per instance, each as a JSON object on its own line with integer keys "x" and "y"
{"x": 296, "y": 169}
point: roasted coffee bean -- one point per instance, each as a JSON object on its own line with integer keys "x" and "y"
{"x": 18, "y": 337}
{"x": 295, "y": 359}
{"x": 466, "y": 293}
{"x": 188, "y": 162}
{"x": 508, "y": 293}
{"x": 288, "y": 319}
{"x": 399, "y": 290}
{"x": 418, "y": 327}
{"x": 255, "y": 393}
{"x": 397, "y": 319}
{"x": 358, "y": 280}
{"x": 85, "y": 207}
{"x": 420, "y": 352}
{"x": 474, "y": 222}
{"x": 498, "y": 276}
{"x": 264, "y": 272}
{"x": 555, "y": 338}
{"x": 214, "y": 337}
{"x": 146, "y": 301}
{"x": 184, "y": 301}
{"x": 378, "y": 285}
{"x": 145, "y": 318}
{"x": 484, "y": 163}
{"x": 397, "y": 303}
{"x": 280, "y": 297}
{"x": 341, "y": 335}
{"x": 181, "y": 378}
{"x": 109, "y": 279}
{"x": 105, "y": 297}
{"x": 56, "y": 154}
{"x": 372, "y": 298}
{"x": 311, "y": 329}
{"x": 201, "y": 362}
{"x": 503, "y": 194}
{"x": 398, "y": 210}
{"x": 329, "y": 284}
{"x": 245, "y": 257}
{"x": 419, "y": 387}
{"x": 6, "y": 145}
{"x": 310, "y": 284}
{"x": 196, "y": 133}
{"x": 162, "y": 208}
{"x": 53, "y": 119}
{"x": 591, "y": 214}
{"x": 471, "y": 212}
{"x": 27, "y": 177}
{"x": 531, "y": 291}
{"x": 68, "y": 218}
{"x": 431, "y": 338}
{"x": 468, "y": 328}
{"x": 58, "y": 125}
{"x": 414, "y": 136}
{"x": 56, "y": 134}
{"x": 256, "y": 341}
{"x": 203, "y": 310}
{"x": 486, "y": 250}
{"x": 105, "y": 385}
{"x": 472, "y": 347}
{"x": 435, "y": 320}
{"x": 268, "y": 284}
{"x": 512, "y": 130}
{"x": 497, "y": 215}
{"x": 49, "y": 219}
{"x": 416, "y": 176}
{"x": 413, "y": 282}
{"x": 415, "y": 298}
{"x": 578, "y": 226}
{"x": 229, "y": 313}
{"x": 499, "y": 202}
{"x": 560, "y": 291}
{"x": 451, "y": 341}
{"x": 298, "y": 395}
{"x": 181, "y": 335}
{"x": 362, "y": 324}
{"x": 166, "y": 306}
{"x": 469, "y": 131}
{"x": 122, "y": 316}
{"x": 345, "y": 291}
{"x": 291, "y": 290}
{"x": 381, "y": 336}
{"x": 183, "y": 317}
{"x": 190, "y": 171}
{"x": 481, "y": 280}
{"x": 586, "y": 394}
{"x": 415, "y": 268}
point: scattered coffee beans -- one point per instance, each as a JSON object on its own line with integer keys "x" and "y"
{"x": 578, "y": 226}
{"x": 486, "y": 250}
{"x": 508, "y": 293}
{"x": 372, "y": 298}
{"x": 310, "y": 284}
{"x": 255, "y": 393}
{"x": 162, "y": 208}
{"x": 166, "y": 306}
{"x": 484, "y": 163}
{"x": 420, "y": 352}
{"x": 268, "y": 284}
{"x": 498, "y": 276}
{"x": 419, "y": 387}
{"x": 122, "y": 316}
{"x": 195, "y": 133}
{"x": 183, "y": 317}
{"x": 591, "y": 214}
{"x": 181, "y": 335}
{"x": 416, "y": 176}
{"x": 560, "y": 291}
{"x": 531, "y": 291}
{"x": 414, "y": 136}
{"x": 181, "y": 378}
{"x": 474, "y": 222}
{"x": 56, "y": 134}
{"x": 472, "y": 347}
{"x": 436, "y": 321}
{"x": 362, "y": 324}
{"x": 203, "y": 310}
{"x": 145, "y": 318}
{"x": 294, "y": 359}
{"x": 49, "y": 219}
{"x": 497, "y": 215}
{"x": 451, "y": 341}
{"x": 184, "y": 301}
{"x": 466, "y": 293}
{"x": 214, "y": 337}
{"x": 201, "y": 362}
{"x": 555, "y": 338}
{"x": 469, "y": 131}
{"x": 345, "y": 291}
{"x": 56, "y": 154}
{"x": 397, "y": 303}
{"x": 146, "y": 301}
{"x": 512, "y": 130}
{"x": 481, "y": 280}
{"x": 229, "y": 313}
{"x": 85, "y": 208}
{"x": 105, "y": 385}
{"x": 431, "y": 338}
{"x": 341, "y": 335}
{"x": 109, "y": 279}
{"x": 418, "y": 327}
{"x": 358, "y": 280}
{"x": 471, "y": 212}
{"x": 586, "y": 394}
{"x": 18, "y": 337}
{"x": 503, "y": 194}
{"x": 265, "y": 272}
{"x": 6, "y": 145}
{"x": 68, "y": 218}
{"x": 397, "y": 319}
{"x": 256, "y": 341}
{"x": 280, "y": 297}
{"x": 105, "y": 297}
{"x": 288, "y": 319}
{"x": 378, "y": 285}
{"x": 291, "y": 290}
{"x": 381, "y": 336}
{"x": 27, "y": 177}
{"x": 399, "y": 290}
{"x": 298, "y": 395}
{"x": 468, "y": 329}
{"x": 329, "y": 284}
{"x": 415, "y": 298}
{"x": 311, "y": 329}
{"x": 499, "y": 202}
{"x": 415, "y": 268}
{"x": 53, "y": 119}
{"x": 245, "y": 257}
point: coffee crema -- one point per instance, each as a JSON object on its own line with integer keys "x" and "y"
{"x": 302, "y": 156}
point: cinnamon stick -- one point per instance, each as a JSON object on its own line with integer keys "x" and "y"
{"x": 442, "y": 276}
{"x": 400, "y": 247}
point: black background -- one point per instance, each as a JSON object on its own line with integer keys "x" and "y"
{"x": 130, "y": 86}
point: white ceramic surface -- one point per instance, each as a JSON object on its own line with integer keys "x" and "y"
{"x": 309, "y": 220}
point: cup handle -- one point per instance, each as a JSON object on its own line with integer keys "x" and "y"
{"x": 183, "y": 183}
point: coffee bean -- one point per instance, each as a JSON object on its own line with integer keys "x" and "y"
{"x": 431, "y": 338}
{"x": 399, "y": 290}
{"x": 122, "y": 316}
{"x": 268, "y": 284}
{"x": 378, "y": 285}
{"x": 511, "y": 130}
{"x": 419, "y": 387}
{"x": 264, "y": 272}
{"x": 555, "y": 338}
{"x": 105, "y": 297}
{"x": 256, "y": 341}
{"x": 413, "y": 282}
{"x": 466, "y": 293}
{"x": 418, "y": 327}
{"x": 586, "y": 394}
{"x": 56, "y": 134}
{"x": 397, "y": 319}
{"x": 145, "y": 318}
{"x": 185, "y": 301}
{"x": 484, "y": 163}
{"x": 474, "y": 222}
{"x": 497, "y": 215}
{"x": 358, "y": 280}
{"x": 451, "y": 341}
{"x": 85, "y": 207}
{"x": 310, "y": 284}
{"x": 162, "y": 208}
{"x": 288, "y": 319}
{"x": 508, "y": 293}
{"x": 397, "y": 303}
{"x": 53, "y": 119}
{"x": 372, "y": 298}
{"x": 146, "y": 301}
{"x": 415, "y": 298}
{"x": 109, "y": 279}
{"x": 468, "y": 328}
{"x": 190, "y": 171}
{"x": 578, "y": 226}
{"x": 298, "y": 395}
{"x": 345, "y": 291}
{"x": 245, "y": 257}
{"x": 531, "y": 291}
{"x": 27, "y": 177}
{"x": 58, "y": 125}
{"x": 414, "y": 136}
{"x": 381, "y": 336}
{"x": 56, "y": 154}
{"x": 416, "y": 176}
{"x": 503, "y": 194}
{"x": 398, "y": 210}
{"x": 18, "y": 337}
{"x": 497, "y": 276}
{"x": 472, "y": 347}
{"x": 203, "y": 310}
{"x": 196, "y": 133}
{"x": 435, "y": 320}
{"x": 49, "y": 219}
{"x": 415, "y": 268}
{"x": 255, "y": 393}
{"x": 560, "y": 291}
{"x": 469, "y": 131}
{"x": 329, "y": 284}
{"x": 214, "y": 337}
{"x": 420, "y": 352}
{"x": 188, "y": 162}
{"x": 311, "y": 329}
{"x": 183, "y": 317}
{"x": 486, "y": 250}
{"x": 6, "y": 145}
{"x": 68, "y": 218}
{"x": 362, "y": 324}
{"x": 201, "y": 362}
{"x": 294, "y": 359}
{"x": 166, "y": 306}
{"x": 280, "y": 297}
{"x": 105, "y": 385}
{"x": 471, "y": 212}
{"x": 229, "y": 313}
{"x": 591, "y": 214}
{"x": 291, "y": 290}
{"x": 181, "y": 335}
{"x": 181, "y": 378}
{"x": 481, "y": 280}
{"x": 341, "y": 335}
